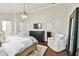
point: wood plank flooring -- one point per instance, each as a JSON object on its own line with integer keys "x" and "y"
{"x": 50, "y": 52}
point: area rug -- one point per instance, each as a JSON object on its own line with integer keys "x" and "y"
{"x": 40, "y": 51}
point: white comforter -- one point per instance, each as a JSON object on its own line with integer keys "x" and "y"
{"x": 27, "y": 41}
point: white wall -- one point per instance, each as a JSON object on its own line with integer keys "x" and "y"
{"x": 57, "y": 15}
{"x": 6, "y": 17}
{"x": 15, "y": 18}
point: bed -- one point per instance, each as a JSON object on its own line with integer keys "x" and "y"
{"x": 23, "y": 45}
{"x": 28, "y": 50}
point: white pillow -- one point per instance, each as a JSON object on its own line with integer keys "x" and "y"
{"x": 12, "y": 47}
{"x": 8, "y": 38}
{"x": 22, "y": 39}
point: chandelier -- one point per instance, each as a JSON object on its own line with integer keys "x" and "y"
{"x": 24, "y": 14}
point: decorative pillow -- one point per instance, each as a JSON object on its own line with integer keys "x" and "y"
{"x": 12, "y": 47}
{"x": 8, "y": 38}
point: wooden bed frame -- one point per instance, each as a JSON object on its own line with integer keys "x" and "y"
{"x": 28, "y": 50}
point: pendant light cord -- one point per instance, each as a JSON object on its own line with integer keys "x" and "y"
{"x": 24, "y": 7}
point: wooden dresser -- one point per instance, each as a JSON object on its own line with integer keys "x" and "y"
{"x": 39, "y": 35}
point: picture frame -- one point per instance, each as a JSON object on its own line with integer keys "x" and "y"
{"x": 37, "y": 26}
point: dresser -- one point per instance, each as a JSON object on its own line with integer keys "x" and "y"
{"x": 39, "y": 35}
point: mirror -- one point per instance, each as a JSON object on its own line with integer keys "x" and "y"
{"x": 37, "y": 26}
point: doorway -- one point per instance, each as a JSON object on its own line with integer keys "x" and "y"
{"x": 7, "y": 28}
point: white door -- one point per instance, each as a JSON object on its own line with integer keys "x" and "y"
{"x": 7, "y": 27}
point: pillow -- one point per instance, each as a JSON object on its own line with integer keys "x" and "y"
{"x": 25, "y": 41}
{"x": 12, "y": 47}
{"x": 59, "y": 36}
{"x": 7, "y": 39}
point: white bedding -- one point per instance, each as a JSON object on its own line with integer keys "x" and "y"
{"x": 2, "y": 52}
{"x": 27, "y": 41}
{"x": 12, "y": 47}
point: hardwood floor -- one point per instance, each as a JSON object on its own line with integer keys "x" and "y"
{"x": 50, "y": 52}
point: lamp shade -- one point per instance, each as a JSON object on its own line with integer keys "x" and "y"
{"x": 23, "y": 15}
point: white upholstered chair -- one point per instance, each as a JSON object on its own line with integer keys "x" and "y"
{"x": 57, "y": 43}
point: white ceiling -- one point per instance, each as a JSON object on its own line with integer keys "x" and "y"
{"x": 18, "y": 7}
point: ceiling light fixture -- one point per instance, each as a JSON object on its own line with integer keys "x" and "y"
{"x": 24, "y": 14}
